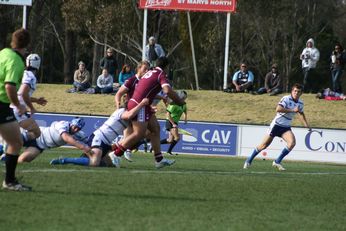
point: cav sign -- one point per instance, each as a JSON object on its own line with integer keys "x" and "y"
{"x": 17, "y": 2}
{"x": 205, "y": 138}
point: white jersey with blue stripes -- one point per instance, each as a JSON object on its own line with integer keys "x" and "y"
{"x": 285, "y": 119}
{"x": 30, "y": 80}
{"x": 51, "y": 136}
{"x": 112, "y": 128}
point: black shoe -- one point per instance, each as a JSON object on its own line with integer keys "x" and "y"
{"x": 15, "y": 186}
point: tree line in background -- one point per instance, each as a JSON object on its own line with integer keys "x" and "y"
{"x": 262, "y": 32}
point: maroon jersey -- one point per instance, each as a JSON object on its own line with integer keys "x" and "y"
{"x": 130, "y": 84}
{"x": 150, "y": 85}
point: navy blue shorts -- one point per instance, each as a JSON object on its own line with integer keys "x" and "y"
{"x": 278, "y": 130}
{"x": 104, "y": 147}
{"x": 32, "y": 143}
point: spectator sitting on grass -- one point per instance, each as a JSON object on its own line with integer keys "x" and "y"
{"x": 104, "y": 84}
{"x": 243, "y": 80}
{"x": 272, "y": 82}
{"x": 126, "y": 73}
{"x": 81, "y": 78}
{"x": 328, "y": 94}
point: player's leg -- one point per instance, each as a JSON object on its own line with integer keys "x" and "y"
{"x": 139, "y": 129}
{"x": 10, "y": 132}
{"x": 29, "y": 154}
{"x": 290, "y": 139}
{"x": 33, "y": 130}
{"x": 175, "y": 139}
{"x": 154, "y": 128}
{"x": 267, "y": 140}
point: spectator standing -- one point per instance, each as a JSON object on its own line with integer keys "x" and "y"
{"x": 104, "y": 84}
{"x": 338, "y": 59}
{"x": 309, "y": 57}
{"x": 81, "y": 78}
{"x": 243, "y": 79}
{"x": 110, "y": 63}
{"x": 272, "y": 82}
{"x": 12, "y": 65}
{"x": 126, "y": 73}
{"x": 153, "y": 51}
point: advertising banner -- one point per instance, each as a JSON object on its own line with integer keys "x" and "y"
{"x": 17, "y": 2}
{"x": 199, "y": 138}
{"x": 189, "y": 5}
{"x": 322, "y": 145}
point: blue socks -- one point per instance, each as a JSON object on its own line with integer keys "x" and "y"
{"x": 77, "y": 161}
{"x": 253, "y": 155}
{"x": 284, "y": 153}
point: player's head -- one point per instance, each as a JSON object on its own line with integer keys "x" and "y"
{"x": 297, "y": 90}
{"x": 77, "y": 124}
{"x": 162, "y": 62}
{"x": 182, "y": 94}
{"x": 33, "y": 61}
{"x": 20, "y": 39}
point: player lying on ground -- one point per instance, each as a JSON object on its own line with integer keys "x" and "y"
{"x": 58, "y": 134}
{"x": 101, "y": 139}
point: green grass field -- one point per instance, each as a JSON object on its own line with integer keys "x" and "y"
{"x": 197, "y": 193}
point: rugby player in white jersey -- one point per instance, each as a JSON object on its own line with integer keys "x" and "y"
{"x": 287, "y": 108}
{"x": 58, "y": 134}
{"x": 25, "y": 92}
{"x": 102, "y": 139}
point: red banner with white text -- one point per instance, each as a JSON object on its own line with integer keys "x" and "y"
{"x": 189, "y": 5}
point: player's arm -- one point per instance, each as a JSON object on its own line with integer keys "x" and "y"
{"x": 185, "y": 116}
{"x": 302, "y": 118}
{"x": 70, "y": 140}
{"x": 173, "y": 95}
{"x": 41, "y": 101}
{"x": 122, "y": 91}
{"x": 170, "y": 119}
{"x": 127, "y": 115}
{"x": 11, "y": 92}
{"x": 24, "y": 90}
{"x": 281, "y": 109}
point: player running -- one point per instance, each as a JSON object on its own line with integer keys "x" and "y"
{"x": 25, "y": 92}
{"x": 286, "y": 109}
{"x": 148, "y": 87}
{"x": 174, "y": 112}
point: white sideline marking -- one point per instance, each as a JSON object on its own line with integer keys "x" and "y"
{"x": 154, "y": 171}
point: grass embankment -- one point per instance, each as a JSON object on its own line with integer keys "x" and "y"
{"x": 215, "y": 106}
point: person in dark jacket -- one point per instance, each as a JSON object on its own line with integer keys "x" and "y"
{"x": 109, "y": 62}
{"x": 272, "y": 83}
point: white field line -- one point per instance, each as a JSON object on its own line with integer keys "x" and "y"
{"x": 154, "y": 171}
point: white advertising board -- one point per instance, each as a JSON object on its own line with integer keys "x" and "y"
{"x": 322, "y": 145}
{"x": 17, "y": 2}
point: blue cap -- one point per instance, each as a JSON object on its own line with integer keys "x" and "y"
{"x": 78, "y": 122}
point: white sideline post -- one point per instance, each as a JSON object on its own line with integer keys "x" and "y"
{"x": 145, "y": 20}
{"x": 225, "y": 68}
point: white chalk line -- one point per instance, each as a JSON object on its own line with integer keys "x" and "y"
{"x": 183, "y": 172}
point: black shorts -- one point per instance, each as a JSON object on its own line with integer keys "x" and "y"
{"x": 169, "y": 125}
{"x": 278, "y": 130}
{"x": 6, "y": 113}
